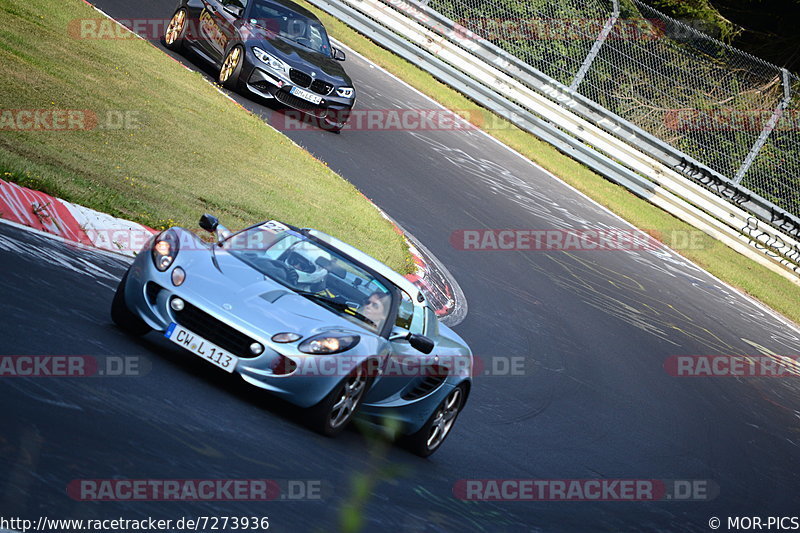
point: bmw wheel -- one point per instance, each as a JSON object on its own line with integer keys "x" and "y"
{"x": 335, "y": 121}
{"x": 176, "y": 31}
{"x": 231, "y": 68}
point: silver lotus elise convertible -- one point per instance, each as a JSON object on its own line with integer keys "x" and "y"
{"x": 307, "y": 317}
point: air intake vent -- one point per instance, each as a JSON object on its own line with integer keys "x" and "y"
{"x": 425, "y": 386}
{"x": 215, "y": 331}
{"x": 299, "y": 78}
{"x": 298, "y": 103}
{"x": 321, "y": 87}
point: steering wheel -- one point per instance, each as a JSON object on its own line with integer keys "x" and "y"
{"x": 283, "y": 271}
{"x": 290, "y": 275}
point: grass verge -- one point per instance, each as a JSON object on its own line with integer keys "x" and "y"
{"x": 728, "y": 265}
{"x": 165, "y": 145}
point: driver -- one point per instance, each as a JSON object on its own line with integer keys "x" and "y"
{"x": 376, "y": 307}
{"x": 310, "y": 276}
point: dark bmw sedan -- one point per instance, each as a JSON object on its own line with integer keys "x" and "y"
{"x": 271, "y": 48}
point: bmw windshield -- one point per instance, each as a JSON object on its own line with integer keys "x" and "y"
{"x": 291, "y": 25}
{"x": 316, "y": 272}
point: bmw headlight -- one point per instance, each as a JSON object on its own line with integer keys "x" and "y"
{"x": 345, "y": 92}
{"x": 165, "y": 249}
{"x": 327, "y": 344}
{"x": 273, "y": 62}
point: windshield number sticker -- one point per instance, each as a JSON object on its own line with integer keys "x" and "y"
{"x": 274, "y": 226}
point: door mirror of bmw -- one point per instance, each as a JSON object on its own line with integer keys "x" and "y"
{"x": 234, "y": 10}
{"x": 338, "y": 54}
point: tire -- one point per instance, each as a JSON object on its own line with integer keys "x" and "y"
{"x": 231, "y": 68}
{"x": 326, "y": 418}
{"x": 339, "y": 122}
{"x": 122, "y": 316}
{"x": 424, "y": 442}
{"x": 176, "y": 31}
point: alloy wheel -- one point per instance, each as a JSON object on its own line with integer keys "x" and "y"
{"x": 345, "y": 406}
{"x": 175, "y": 27}
{"x": 445, "y": 418}
{"x": 230, "y": 64}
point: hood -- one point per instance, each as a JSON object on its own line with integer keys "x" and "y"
{"x": 299, "y": 57}
{"x": 253, "y": 300}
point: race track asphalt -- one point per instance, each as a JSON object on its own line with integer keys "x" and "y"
{"x": 594, "y": 401}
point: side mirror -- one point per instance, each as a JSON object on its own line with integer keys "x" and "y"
{"x": 418, "y": 342}
{"x": 421, "y": 343}
{"x": 236, "y": 11}
{"x": 399, "y": 334}
{"x": 338, "y": 54}
{"x": 209, "y": 223}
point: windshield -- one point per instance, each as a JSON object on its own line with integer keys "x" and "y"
{"x": 291, "y": 25}
{"x": 316, "y": 272}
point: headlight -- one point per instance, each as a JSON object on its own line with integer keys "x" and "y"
{"x": 178, "y": 276}
{"x": 325, "y": 344}
{"x": 286, "y": 337}
{"x": 273, "y": 62}
{"x": 165, "y": 248}
{"x": 345, "y": 92}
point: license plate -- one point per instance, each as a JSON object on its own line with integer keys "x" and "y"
{"x": 305, "y": 95}
{"x": 199, "y": 346}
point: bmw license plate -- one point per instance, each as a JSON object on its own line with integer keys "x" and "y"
{"x": 305, "y": 95}
{"x": 199, "y": 346}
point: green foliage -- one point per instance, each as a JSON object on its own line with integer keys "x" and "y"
{"x": 690, "y": 90}
{"x": 183, "y": 149}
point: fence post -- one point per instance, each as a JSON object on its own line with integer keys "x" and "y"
{"x": 768, "y": 127}
{"x": 587, "y": 63}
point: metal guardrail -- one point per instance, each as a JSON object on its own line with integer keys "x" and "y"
{"x": 711, "y": 101}
{"x": 592, "y": 111}
{"x": 764, "y": 213}
{"x": 578, "y": 127}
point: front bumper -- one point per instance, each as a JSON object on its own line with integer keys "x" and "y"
{"x": 266, "y": 83}
{"x": 148, "y": 293}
